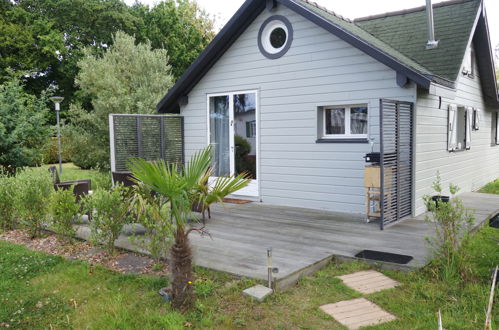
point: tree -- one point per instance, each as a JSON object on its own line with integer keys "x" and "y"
{"x": 128, "y": 78}
{"x": 23, "y": 129}
{"x": 47, "y": 37}
{"x": 182, "y": 187}
{"x": 179, "y": 26}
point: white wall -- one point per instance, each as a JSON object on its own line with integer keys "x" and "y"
{"x": 318, "y": 70}
{"x": 470, "y": 169}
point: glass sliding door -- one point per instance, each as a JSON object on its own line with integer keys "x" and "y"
{"x": 233, "y": 133}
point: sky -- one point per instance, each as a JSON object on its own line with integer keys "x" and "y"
{"x": 223, "y": 10}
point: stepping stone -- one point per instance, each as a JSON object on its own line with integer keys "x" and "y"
{"x": 258, "y": 292}
{"x": 368, "y": 281}
{"x": 356, "y": 313}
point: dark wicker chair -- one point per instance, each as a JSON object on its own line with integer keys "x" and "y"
{"x": 125, "y": 178}
{"x": 81, "y": 187}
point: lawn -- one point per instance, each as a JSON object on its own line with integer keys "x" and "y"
{"x": 73, "y": 172}
{"x": 42, "y": 291}
{"x": 491, "y": 188}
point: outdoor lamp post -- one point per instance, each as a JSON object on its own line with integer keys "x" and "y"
{"x": 57, "y": 101}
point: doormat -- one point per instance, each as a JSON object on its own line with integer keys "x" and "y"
{"x": 236, "y": 201}
{"x": 384, "y": 256}
{"x": 494, "y": 222}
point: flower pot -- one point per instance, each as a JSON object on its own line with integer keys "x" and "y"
{"x": 440, "y": 199}
{"x": 166, "y": 294}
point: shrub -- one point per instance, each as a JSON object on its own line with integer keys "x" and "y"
{"x": 109, "y": 213}
{"x": 452, "y": 222}
{"x": 152, "y": 212}
{"x": 7, "y": 201}
{"x": 50, "y": 150}
{"x": 64, "y": 210}
{"x": 34, "y": 187}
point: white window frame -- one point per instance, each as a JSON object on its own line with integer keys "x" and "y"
{"x": 454, "y": 111}
{"x": 347, "y": 134}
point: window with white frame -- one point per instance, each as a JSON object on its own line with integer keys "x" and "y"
{"x": 469, "y": 63}
{"x": 460, "y": 121}
{"x": 345, "y": 122}
{"x": 251, "y": 129}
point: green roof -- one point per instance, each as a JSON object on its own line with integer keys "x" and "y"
{"x": 407, "y": 32}
{"x": 403, "y": 35}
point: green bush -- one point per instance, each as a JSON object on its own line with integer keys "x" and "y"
{"x": 64, "y": 210}
{"x": 50, "y": 150}
{"x": 34, "y": 187}
{"x": 152, "y": 212}
{"x": 452, "y": 223}
{"x": 7, "y": 202}
{"x": 109, "y": 210}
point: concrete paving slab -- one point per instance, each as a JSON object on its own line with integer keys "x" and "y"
{"x": 356, "y": 313}
{"x": 368, "y": 281}
{"x": 258, "y": 292}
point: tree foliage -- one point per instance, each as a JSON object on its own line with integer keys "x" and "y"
{"x": 128, "y": 78}
{"x": 48, "y": 37}
{"x": 179, "y": 26}
{"x": 23, "y": 128}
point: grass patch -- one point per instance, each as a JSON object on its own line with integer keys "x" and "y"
{"x": 41, "y": 291}
{"x": 491, "y": 188}
{"x": 73, "y": 172}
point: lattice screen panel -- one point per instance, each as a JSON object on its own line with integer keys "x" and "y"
{"x": 151, "y": 137}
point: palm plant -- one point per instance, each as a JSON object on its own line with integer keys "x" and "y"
{"x": 182, "y": 187}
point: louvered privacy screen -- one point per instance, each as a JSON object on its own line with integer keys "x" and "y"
{"x": 151, "y": 137}
{"x": 396, "y": 160}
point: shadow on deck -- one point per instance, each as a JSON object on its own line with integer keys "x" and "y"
{"x": 305, "y": 240}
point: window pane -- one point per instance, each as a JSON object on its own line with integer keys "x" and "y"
{"x": 358, "y": 120}
{"x": 245, "y": 134}
{"x": 335, "y": 121}
{"x": 219, "y": 134}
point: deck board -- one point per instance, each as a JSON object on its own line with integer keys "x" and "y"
{"x": 241, "y": 233}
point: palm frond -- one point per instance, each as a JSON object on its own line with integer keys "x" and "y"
{"x": 197, "y": 166}
{"x": 226, "y": 185}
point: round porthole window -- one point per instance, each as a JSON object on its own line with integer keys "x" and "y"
{"x": 275, "y": 36}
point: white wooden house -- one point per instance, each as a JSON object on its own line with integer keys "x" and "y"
{"x": 327, "y": 91}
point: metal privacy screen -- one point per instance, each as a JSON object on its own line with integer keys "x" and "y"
{"x": 396, "y": 160}
{"x": 151, "y": 137}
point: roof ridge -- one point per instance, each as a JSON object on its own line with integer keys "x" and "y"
{"x": 410, "y": 10}
{"x": 315, "y": 4}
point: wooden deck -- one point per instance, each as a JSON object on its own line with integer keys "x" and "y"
{"x": 303, "y": 240}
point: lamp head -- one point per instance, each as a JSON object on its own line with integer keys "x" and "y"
{"x": 57, "y": 101}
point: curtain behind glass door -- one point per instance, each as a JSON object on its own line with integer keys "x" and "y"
{"x": 219, "y": 134}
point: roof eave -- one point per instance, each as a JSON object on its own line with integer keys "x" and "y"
{"x": 485, "y": 60}
{"x": 414, "y": 75}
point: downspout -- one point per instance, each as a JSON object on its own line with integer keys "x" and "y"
{"x": 432, "y": 43}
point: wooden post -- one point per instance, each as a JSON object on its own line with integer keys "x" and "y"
{"x": 488, "y": 318}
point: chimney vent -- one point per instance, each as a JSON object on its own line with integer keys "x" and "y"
{"x": 432, "y": 43}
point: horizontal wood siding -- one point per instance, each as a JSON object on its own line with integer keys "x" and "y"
{"x": 318, "y": 70}
{"x": 470, "y": 169}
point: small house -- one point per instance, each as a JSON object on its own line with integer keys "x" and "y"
{"x": 330, "y": 108}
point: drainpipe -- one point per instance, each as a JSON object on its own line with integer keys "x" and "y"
{"x": 432, "y": 43}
